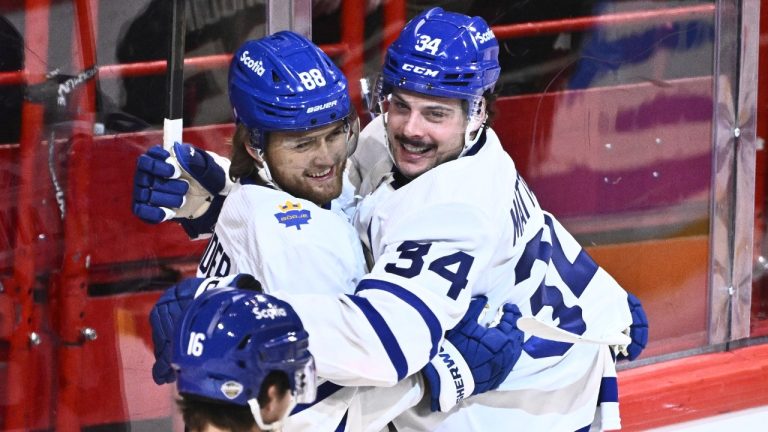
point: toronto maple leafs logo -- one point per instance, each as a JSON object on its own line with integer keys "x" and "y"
{"x": 291, "y": 215}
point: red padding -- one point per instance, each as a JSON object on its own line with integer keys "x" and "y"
{"x": 693, "y": 387}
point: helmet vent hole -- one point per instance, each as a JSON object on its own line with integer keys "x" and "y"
{"x": 451, "y": 76}
{"x": 243, "y": 343}
{"x": 275, "y": 77}
{"x": 333, "y": 116}
{"x": 241, "y": 364}
{"x": 313, "y": 121}
{"x": 469, "y": 75}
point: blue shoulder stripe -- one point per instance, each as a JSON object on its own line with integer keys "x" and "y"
{"x": 386, "y": 336}
{"x": 433, "y": 324}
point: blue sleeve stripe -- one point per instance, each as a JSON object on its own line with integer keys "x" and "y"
{"x": 609, "y": 390}
{"x": 433, "y": 324}
{"x": 323, "y": 391}
{"x": 386, "y": 336}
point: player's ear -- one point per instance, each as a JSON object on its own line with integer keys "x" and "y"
{"x": 255, "y": 155}
{"x": 277, "y": 404}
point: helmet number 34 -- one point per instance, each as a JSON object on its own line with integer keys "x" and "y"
{"x": 195, "y": 347}
{"x": 312, "y": 79}
{"x": 426, "y": 43}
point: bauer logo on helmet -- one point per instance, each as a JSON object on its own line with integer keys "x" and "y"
{"x": 324, "y": 106}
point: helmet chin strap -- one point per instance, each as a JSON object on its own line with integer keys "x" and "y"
{"x": 256, "y": 412}
{"x": 476, "y": 124}
{"x": 469, "y": 140}
{"x": 264, "y": 173}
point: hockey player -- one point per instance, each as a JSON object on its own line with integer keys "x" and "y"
{"x": 452, "y": 219}
{"x": 289, "y": 154}
{"x": 241, "y": 362}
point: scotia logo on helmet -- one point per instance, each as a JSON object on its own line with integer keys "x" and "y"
{"x": 270, "y": 313}
{"x": 484, "y": 37}
{"x": 254, "y": 65}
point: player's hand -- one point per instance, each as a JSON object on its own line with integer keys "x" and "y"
{"x": 474, "y": 359}
{"x": 638, "y": 330}
{"x": 170, "y": 308}
{"x": 178, "y": 186}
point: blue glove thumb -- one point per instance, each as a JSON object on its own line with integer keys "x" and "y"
{"x": 201, "y": 166}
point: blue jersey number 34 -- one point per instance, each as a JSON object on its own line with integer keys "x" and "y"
{"x": 414, "y": 254}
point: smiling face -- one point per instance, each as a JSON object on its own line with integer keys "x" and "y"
{"x": 309, "y": 164}
{"x": 424, "y": 131}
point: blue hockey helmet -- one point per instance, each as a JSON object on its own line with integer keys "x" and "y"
{"x": 230, "y": 339}
{"x": 283, "y": 82}
{"x": 443, "y": 54}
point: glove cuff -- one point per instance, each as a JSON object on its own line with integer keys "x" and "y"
{"x": 449, "y": 377}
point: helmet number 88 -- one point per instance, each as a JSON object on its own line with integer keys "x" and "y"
{"x": 311, "y": 79}
{"x": 426, "y": 43}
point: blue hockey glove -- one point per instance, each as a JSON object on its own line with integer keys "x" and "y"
{"x": 474, "y": 359}
{"x": 179, "y": 186}
{"x": 638, "y": 330}
{"x": 170, "y": 308}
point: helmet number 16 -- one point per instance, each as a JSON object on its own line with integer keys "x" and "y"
{"x": 195, "y": 347}
{"x": 426, "y": 43}
{"x": 312, "y": 79}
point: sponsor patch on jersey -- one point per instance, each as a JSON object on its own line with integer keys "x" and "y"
{"x": 292, "y": 215}
{"x": 231, "y": 389}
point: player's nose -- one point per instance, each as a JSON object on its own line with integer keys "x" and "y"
{"x": 413, "y": 125}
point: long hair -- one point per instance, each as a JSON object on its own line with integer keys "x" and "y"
{"x": 243, "y": 165}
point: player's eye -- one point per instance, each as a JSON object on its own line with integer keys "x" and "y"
{"x": 436, "y": 115}
{"x": 301, "y": 145}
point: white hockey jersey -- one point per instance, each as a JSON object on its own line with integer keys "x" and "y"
{"x": 292, "y": 245}
{"x": 470, "y": 227}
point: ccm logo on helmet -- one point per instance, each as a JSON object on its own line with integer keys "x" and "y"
{"x": 484, "y": 37}
{"x": 270, "y": 313}
{"x": 420, "y": 70}
{"x": 254, "y": 65}
{"x": 317, "y": 108}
